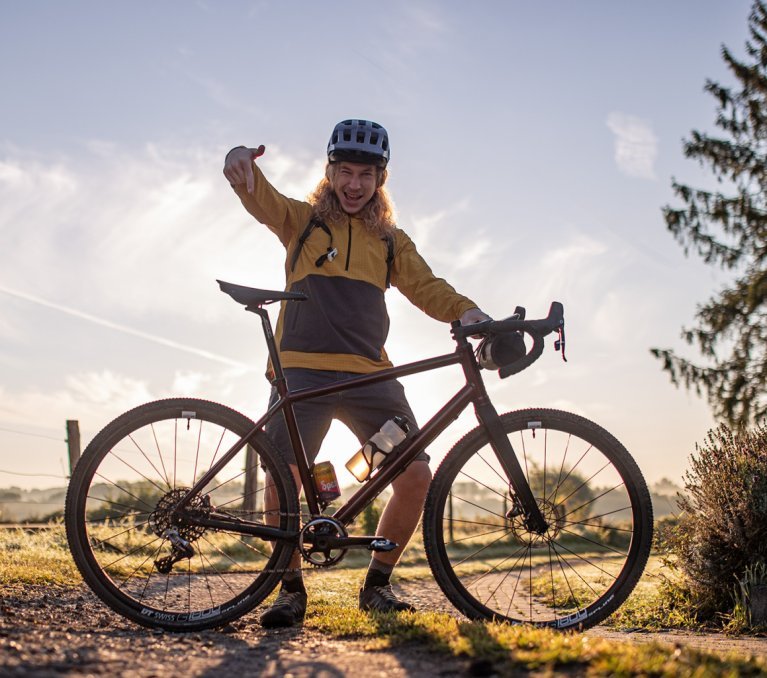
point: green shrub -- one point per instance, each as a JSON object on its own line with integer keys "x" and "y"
{"x": 722, "y": 531}
{"x": 370, "y": 517}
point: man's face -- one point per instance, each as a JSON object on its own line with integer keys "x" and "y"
{"x": 354, "y": 184}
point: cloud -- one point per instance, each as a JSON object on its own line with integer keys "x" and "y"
{"x": 125, "y": 330}
{"x": 226, "y": 97}
{"x": 123, "y": 232}
{"x": 636, "y": 146}
{"x": 95, "y": 397}
{"x": 410, "y": 31}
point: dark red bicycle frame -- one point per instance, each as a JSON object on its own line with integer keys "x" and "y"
{"x": 472, "y": 392}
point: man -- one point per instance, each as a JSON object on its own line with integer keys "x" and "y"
{"x": 343, "y": 251}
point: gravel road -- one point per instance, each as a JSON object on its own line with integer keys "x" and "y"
{"x": 54, "y": 631}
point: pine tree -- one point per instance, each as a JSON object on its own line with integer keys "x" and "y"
{"x": 729, "y": 228}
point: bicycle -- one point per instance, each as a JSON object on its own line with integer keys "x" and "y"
{"x": 535, "y": 516}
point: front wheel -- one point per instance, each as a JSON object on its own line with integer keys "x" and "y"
{"x": 595, "y": 502}
{"x": 153, "y": 564}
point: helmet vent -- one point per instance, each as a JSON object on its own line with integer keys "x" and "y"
{"x": 359, "y": 141}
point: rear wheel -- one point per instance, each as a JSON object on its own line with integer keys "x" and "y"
{"x": 152, "y": 565}
{"x": 593, "y": 497}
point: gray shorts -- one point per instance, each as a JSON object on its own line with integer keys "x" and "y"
{"x": 364, "y": 409}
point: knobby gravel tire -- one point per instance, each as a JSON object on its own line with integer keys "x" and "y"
{"x": 593, "y": 497}
{"x": 121, "y": 530}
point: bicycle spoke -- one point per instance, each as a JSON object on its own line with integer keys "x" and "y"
{"x": 122, "y": 489}
{"x": 112, "y": 537}
{"x": 162, "y": 461}
{"x": 155, "y": 562}
{"x": 481, "y": 484}
{"x": 143, "y": 454}
{"x": 490, "y": 563}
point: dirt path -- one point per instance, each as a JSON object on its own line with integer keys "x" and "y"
{"x": 50, "y": 631}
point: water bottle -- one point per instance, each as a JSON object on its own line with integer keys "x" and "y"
{"x": 372, "y": 454}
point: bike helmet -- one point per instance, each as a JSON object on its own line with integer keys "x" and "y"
{"x": 359, "y": 141}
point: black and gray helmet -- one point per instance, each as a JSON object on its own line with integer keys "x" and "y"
{"x": 359, "y": 141}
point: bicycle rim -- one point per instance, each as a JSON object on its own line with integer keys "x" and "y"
{"x": 122, "y": 531}
{"x": 595, "y": 502}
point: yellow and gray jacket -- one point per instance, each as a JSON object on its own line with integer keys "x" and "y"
{"x": 343, "y": 325}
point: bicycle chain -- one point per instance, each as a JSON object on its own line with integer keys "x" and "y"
{"x": 305, "y": 517}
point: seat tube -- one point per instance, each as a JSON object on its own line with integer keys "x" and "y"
{"x": 298, "y": 450}
{"x": 281, "y": 384}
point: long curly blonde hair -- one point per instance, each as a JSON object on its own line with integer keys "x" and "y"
{"x": 377, "y": 214}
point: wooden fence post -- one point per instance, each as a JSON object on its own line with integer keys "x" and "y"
{"x": 73, "y": 443}
{"x": 250, "y": 489}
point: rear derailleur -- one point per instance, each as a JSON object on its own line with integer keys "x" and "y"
{"x": 180, "y": 549}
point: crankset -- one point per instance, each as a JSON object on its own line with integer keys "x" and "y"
{"x": 318, "y": 542}
{"x": 324, "y": 542}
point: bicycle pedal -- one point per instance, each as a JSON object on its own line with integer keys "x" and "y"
{"x": 382, "y": 545}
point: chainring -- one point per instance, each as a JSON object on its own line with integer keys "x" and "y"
{"x": 311, "y": 544}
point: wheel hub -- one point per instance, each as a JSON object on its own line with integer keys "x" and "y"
{"x": 553, "y": 514}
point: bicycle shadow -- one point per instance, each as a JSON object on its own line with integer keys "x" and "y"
{"x": 273, "y": 654}
{"x": 480, "y": 654}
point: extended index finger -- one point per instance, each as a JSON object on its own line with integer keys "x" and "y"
{"x": 249, "y": 178}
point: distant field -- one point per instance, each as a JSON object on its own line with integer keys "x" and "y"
{"x": 18, "y": 505}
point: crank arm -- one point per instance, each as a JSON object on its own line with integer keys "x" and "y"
{"x": 370, "y": 543}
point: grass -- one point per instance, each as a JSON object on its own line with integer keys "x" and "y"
{"x": 508, "y": 649}
{"x": 42, "y": 557}
{"x": 36, "y": 557}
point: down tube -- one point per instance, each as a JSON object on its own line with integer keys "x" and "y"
{"x": 425, "y": 436}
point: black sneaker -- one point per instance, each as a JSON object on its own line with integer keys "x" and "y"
{"x": 287, "y": 609}
{"x": 382, "y": 599}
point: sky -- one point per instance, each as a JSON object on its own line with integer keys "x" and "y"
{"x": 533, "y": 149}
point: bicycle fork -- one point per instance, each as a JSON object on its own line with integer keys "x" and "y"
{"x": 488, "y": 417}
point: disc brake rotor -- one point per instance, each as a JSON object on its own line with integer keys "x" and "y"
{"x": 554, "y": 515}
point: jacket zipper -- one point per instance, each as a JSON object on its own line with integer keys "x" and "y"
{"x": 349, "y": 245}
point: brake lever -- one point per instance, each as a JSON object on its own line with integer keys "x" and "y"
{"x": 559, "y": 344}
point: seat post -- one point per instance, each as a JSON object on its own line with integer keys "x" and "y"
{"x": 271, "y": 344}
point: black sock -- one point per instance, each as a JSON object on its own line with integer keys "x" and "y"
{"x": 378, "y": 574}
{"x": 294, "y": 584}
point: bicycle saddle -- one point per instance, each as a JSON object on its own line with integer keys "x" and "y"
{"x": 252, "y": 296}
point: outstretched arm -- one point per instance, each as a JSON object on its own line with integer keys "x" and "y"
{"x": 280, "y": 214}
